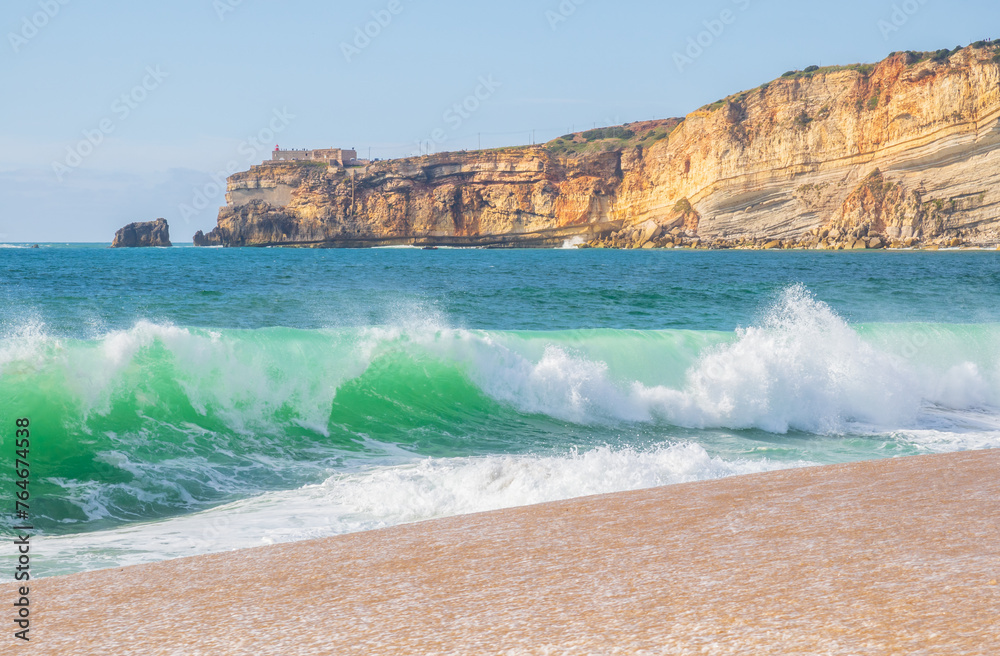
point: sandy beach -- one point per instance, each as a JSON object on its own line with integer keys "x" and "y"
{"x": 896, "y": 556}
{"x": 565, "y": 328}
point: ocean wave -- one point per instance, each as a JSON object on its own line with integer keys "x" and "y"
{"x": 801, "y": 367}
{"x": 377, "y": 497}
{"x": 158, "y": 420}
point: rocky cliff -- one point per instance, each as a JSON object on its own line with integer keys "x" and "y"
{"x": 144, "y": 233}
{"x": 902, "y": 153}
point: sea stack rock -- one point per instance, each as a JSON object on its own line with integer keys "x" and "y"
{"x": 143, "y": 234}
{"x": 211, "y": 239}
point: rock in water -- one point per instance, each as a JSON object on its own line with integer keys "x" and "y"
{"x": 211, "y": 239}
{"x": 143, "y": 234}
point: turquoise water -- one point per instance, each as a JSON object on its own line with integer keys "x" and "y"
{"x": 192, "y": 400}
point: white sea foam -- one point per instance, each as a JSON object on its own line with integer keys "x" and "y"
{"x": 801, "y": 367}
{"x": 385, "y": 496}
{"x": 23, "y": 346}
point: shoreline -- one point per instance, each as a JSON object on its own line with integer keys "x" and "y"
{"x": 884, "y": 556}
{"x": 557, "y": 244}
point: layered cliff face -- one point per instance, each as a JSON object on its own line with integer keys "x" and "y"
{"x": 498, "y": 197}
{"x": 904, "y": 152}
{"x": 143, "y": 234}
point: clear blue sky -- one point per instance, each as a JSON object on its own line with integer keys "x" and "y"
{"x": 201, "y": 78}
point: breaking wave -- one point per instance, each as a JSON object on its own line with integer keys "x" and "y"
{"x": 384, "y": 424}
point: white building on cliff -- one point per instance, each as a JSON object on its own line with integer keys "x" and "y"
{"x": 331, "y": 156}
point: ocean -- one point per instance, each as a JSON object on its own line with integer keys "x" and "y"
{"x": 185, "y": 401}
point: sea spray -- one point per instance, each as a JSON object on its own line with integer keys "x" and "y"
{"x": 801, "y": 368}
{"x": 419, "y": 419}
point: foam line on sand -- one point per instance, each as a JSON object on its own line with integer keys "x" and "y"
{"x": 898, "y": 556}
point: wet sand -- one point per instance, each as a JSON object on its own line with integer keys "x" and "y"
{"x": 894, "y": 556}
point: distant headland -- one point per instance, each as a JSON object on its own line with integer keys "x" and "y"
{"x": 900, "y": 154}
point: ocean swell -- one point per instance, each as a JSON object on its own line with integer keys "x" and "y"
{"x": 800, "y": 367}
{"x": 160, "y": 420}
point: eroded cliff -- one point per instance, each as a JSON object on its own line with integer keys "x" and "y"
{"x": 905, "y": 152}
